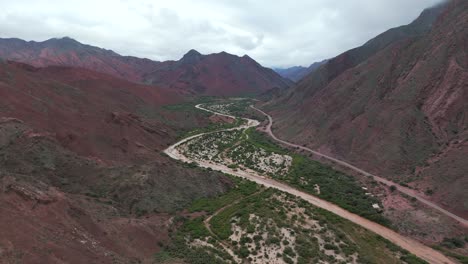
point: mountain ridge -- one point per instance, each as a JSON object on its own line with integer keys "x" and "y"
{"x": 235, "y": 70}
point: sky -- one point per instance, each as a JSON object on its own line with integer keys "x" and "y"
{"x": 275, "y": 33}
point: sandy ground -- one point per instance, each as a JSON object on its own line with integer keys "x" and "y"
{"x": 418, "y": 249}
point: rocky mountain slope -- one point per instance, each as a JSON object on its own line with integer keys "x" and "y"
{"x": 214, "y": 74}
{"x": 395, "y": 106}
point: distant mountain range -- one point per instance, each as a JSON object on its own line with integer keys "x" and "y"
{"x": 214, "y": 74}
{"x": 296, "y": 73}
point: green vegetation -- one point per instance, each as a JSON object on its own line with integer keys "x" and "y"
{"x": 310, "y": 175}
{"x": 412, "y": 259}
{"x": 259, "y": 140}
{"x": 258, "y": 159}
{"x": 264, "y": 223}
{"x": 212, "y": 127}
{"x": 189, "y": 106}
{"x": 237, "y": 107}
{"x": 463, "y": 259}
{"x": 335, "y": 187}
{"x": 243, "y": 188}
{"x": 454, "y": 242}
{"x": 263, "y": 217}
{"x": 256, "y": 151}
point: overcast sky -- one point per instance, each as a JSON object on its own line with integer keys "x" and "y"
{"x": 275, "y": 33}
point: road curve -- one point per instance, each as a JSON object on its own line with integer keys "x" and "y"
{"x": 402, "y": 189}
{"x": 413, "y": 246}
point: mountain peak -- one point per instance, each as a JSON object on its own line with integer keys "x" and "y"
{"x": 191, "y": 56}
{"x": 63, "y": 43}
{"x": 192, "y": 53}
{"x": 67, "y": 38}
{"x": 62, "y": 39}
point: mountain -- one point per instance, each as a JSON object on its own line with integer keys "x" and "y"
{"x": 395, "y": 106}
{"x": 81, "y": 108}
{"x": 296, "y": 73}
{"x": 214, "y": 74}
{"x": 69, "y": 52}
{"x": 82, "y": 176}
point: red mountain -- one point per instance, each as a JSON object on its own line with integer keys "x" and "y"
{"x": 396, "y": 106}
{"x": 69, "y": 52}
{"x": 80, "y": 159}
{"x": 215, "y": 74}
{"x": 93, "y": 114}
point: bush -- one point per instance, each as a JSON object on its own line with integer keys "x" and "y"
{"x": 412, "y": 259}
{"x": 244, "y": 252}
{"x": 289, "y": 251}
{"x": 453, "y": 243}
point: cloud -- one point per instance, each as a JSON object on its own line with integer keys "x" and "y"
{"x": 276, "y": 33}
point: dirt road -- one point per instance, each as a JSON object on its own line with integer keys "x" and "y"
{"x": 418, "y": 249}
{"x": 402, "y": 189}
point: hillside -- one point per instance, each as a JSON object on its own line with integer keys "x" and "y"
{"x": 214, "y": 74}
{"x": 395, "y": 106}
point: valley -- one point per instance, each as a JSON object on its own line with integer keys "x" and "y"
{"x": 226, "y": 132}
{"x": 218, "y": 150}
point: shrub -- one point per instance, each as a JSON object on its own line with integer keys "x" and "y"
{"x": 453, "y": 243}
{"x": 244, "y": 252}
{"x": 412, "y": 259}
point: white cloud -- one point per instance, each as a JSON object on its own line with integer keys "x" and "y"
{"x": 276, "y": 33}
